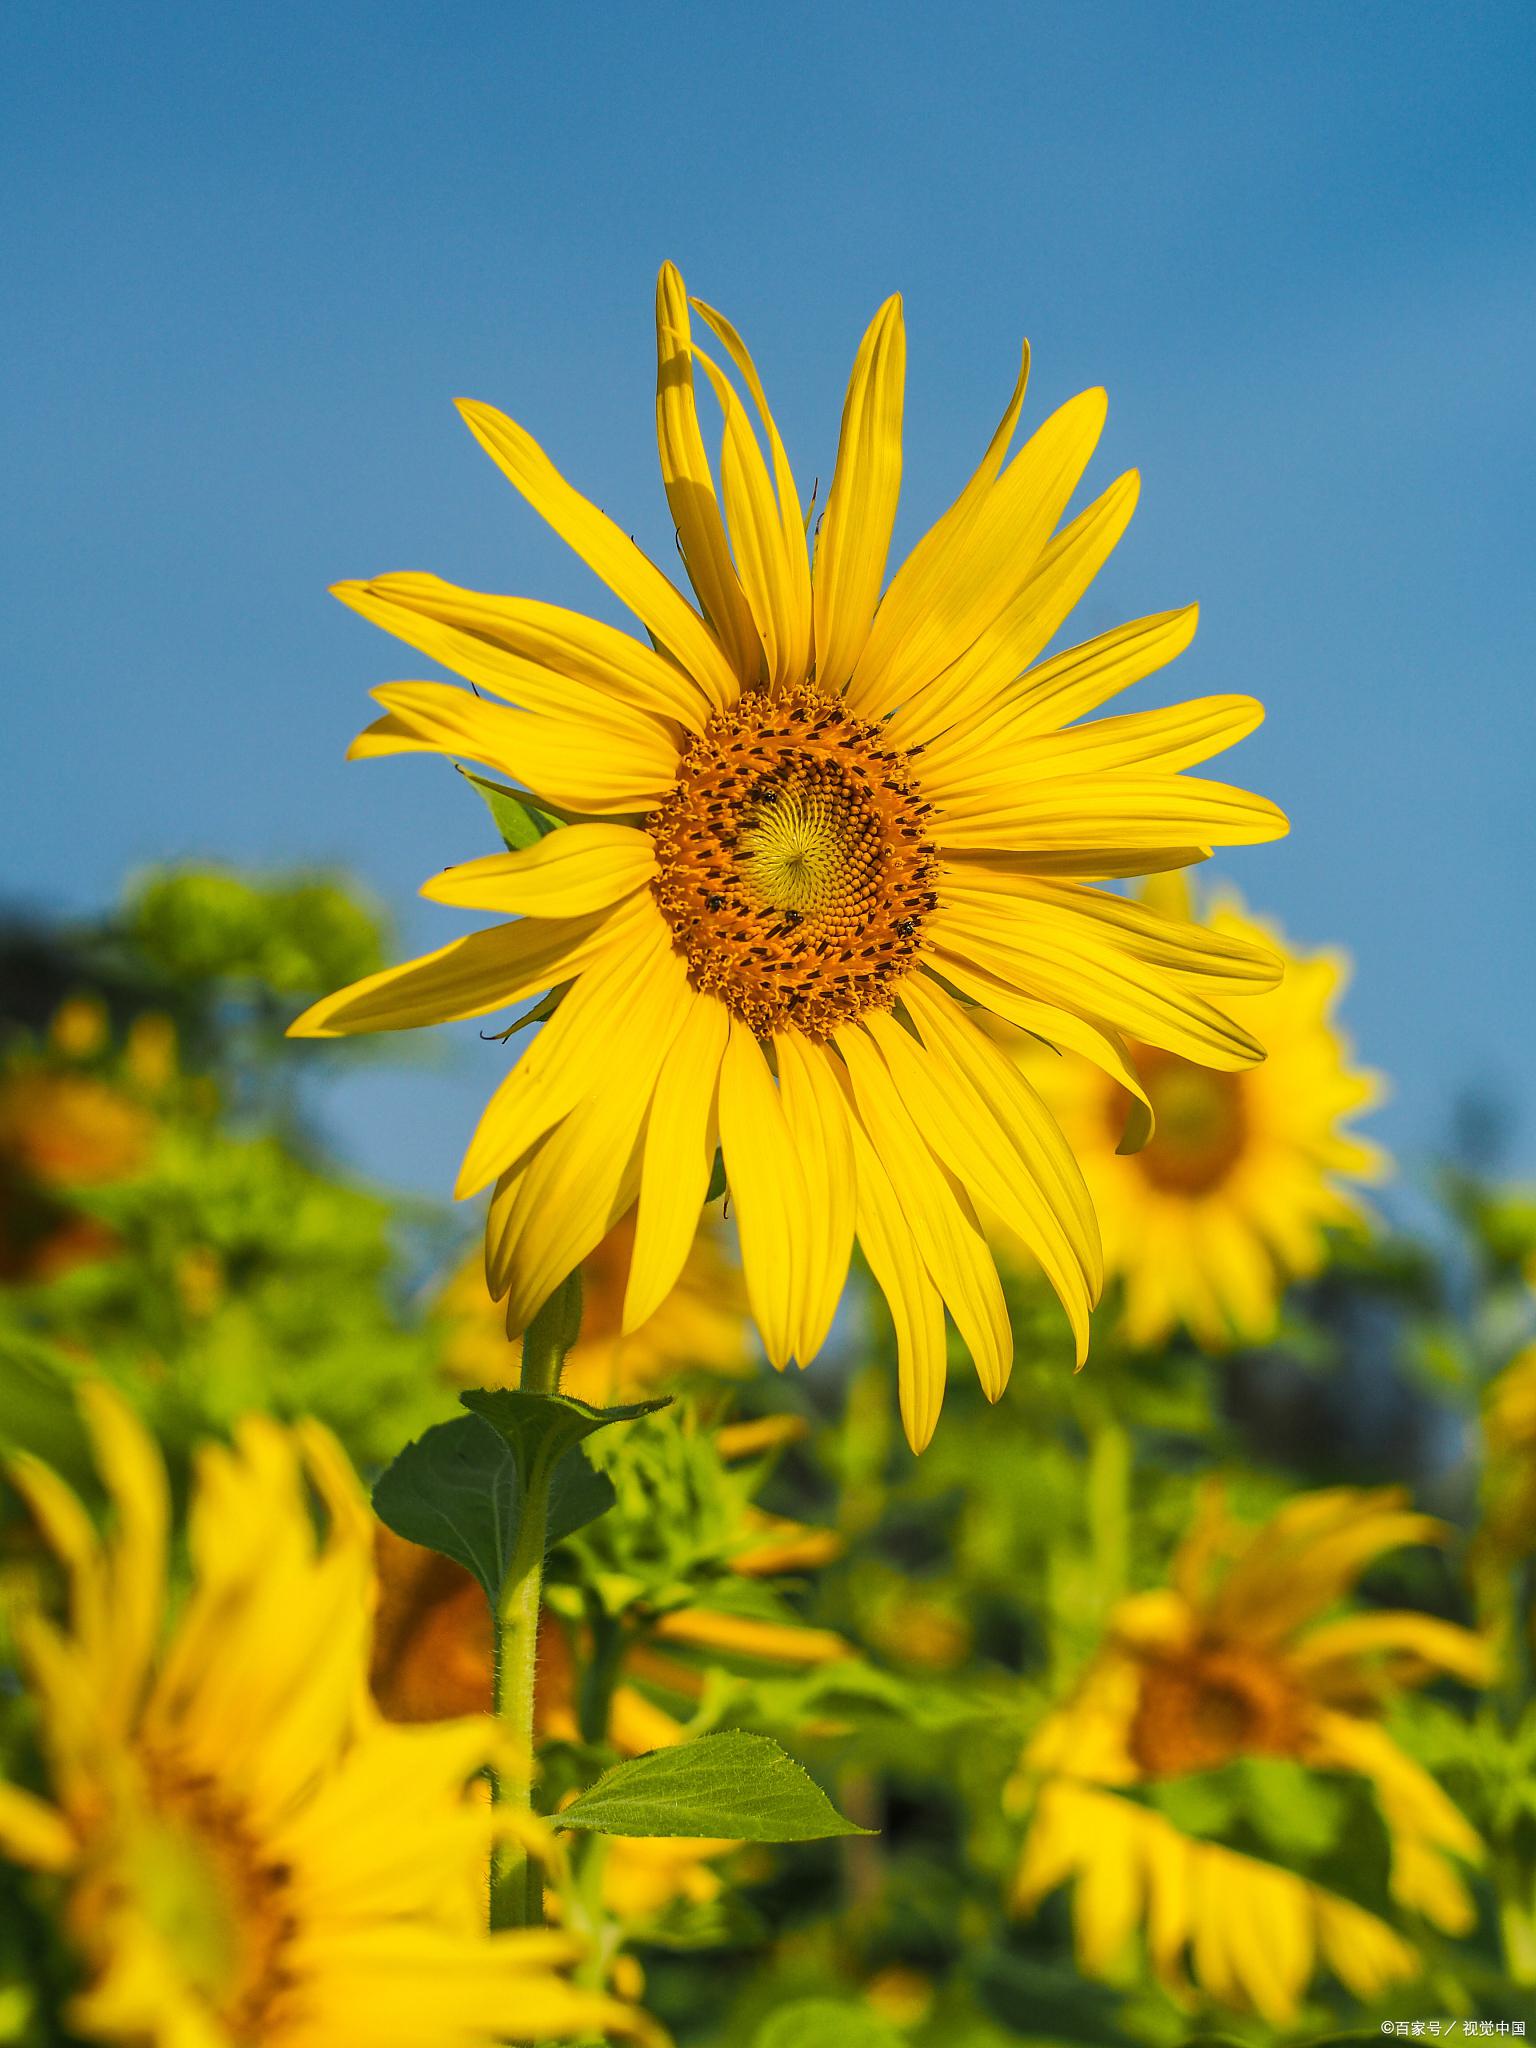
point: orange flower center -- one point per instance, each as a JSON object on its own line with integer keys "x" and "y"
{"x": 1201, "y": 1123}
{"x": 216, "y": 1900}
{"x": 794, "y": 867}
{"x": 1202, "y": 1710}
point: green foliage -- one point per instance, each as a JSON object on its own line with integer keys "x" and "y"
{"x": 292, "y": 937}
{"x": 824, "y": 2023}
{"x": 458, "y": 1490}
{"x": 735, "y": 1784}
{"x": 520, "y": 823}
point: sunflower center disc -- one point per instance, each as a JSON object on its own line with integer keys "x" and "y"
{"x": 1202, "y": 1124}
{"x": 1199, "y": 1711}
{"x": 795, "y": 870}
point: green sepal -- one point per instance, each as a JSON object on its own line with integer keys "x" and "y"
{"x": 457, "y": 1490}
{"x": 717, "y": 1179}
{"x": 520, "y": 823}
{"x": 734, "y": 1785}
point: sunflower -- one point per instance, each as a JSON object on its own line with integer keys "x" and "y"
{"x": 1228, "y": 1201}
{"x": 66, "y": 1130}
{"x": 1254, "y": 1934}
{"x": 699, "y": 1327}
{"x": 1243, "y": 1656}
{"x": 809, "y": 828}
{"x": 247, "y": 1851}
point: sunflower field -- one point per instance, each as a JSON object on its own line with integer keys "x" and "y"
{"x": 921, "y": 1495}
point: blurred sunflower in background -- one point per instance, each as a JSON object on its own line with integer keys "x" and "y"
{"x": 245, "y": 1851}
{"x": 699, "y": 1327}
{"x": 1230, "y": 1199}
{"x": 1243, "y": 1656}
{"x": 75, "y": 1117}
{"x": 802, "y": 835}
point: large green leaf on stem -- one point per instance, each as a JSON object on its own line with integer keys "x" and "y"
{"x": 457, "y": 1490}
{"x": 739, "y": 1786}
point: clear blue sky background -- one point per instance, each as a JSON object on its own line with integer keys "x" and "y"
{"x": 251, "y": 254}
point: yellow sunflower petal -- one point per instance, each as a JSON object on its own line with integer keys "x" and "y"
{"x": 917, "y": 1308}
{"x": 1093, "y": 980}
{"x": 817, "y": 1116}
{"x": 628, "y": 671}
{"x": 939, "y": 1214}
{"x": 606, "y": 549}
{"x": 585, "y": 1174}
{"x": 130, "y": 1464}
{"x": 689, "y": 486}
{"x": 1424, "y": 1638}
{"x": 997, "y": 660}
{"x": 767, "y": 560}
{"x": 566, "y": 1060}
{"x": 1012, "y": 525}
{"x": 574, "y": 767}
{"x": 469, "y": 978}
{"x": 1165, "y": 740}
{"x": 861, "y": 505}
{"x": 33, "y": 1833}
{"x": 795, "y": 624}
{"x": 922, "y": 575}
{"x": 996, "y": 1156}
{"x": 567, "y": 873}
{"x": 490, "y": 664}
{"x": 768, "y": 1190}
{"x": 681, "y": 1133}
{"x": 1061, "y": 1030}
{"x": 1119, "y": 810}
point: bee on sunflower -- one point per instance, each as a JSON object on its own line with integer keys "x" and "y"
{"x": 810, "y": 829}
{"x": 1245, "y": 1656}
{"x": 1230, "y": 1199}
{"x": 246, "y": 1851}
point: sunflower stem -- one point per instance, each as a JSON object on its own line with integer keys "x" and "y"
{"x": 517, "y": 1882}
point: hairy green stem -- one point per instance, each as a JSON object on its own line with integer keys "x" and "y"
{"x": 517, "y": 1884}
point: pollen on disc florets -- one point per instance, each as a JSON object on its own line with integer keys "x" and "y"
{"x": 794, "y": 866}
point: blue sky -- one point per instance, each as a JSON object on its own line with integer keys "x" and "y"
{"x": 252, "y": 254}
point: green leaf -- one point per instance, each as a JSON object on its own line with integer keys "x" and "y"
{"x": 456, "y": 1490}
{"x": 717, "y": 1180}
{"x": 518, "y": 821}
{"x": 736, "y": 1785}
{"x": 541, "y": 1428}
{"x": 825, "y": 2023}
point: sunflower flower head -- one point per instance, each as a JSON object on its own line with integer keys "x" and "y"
{"x": 1246, "y": 1654}
{"x": 247, "y": 1852}
{"x": 814, "y": 827}
{"x": 1247, "y": 1168}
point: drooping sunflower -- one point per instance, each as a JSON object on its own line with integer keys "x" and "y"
{"x": 810, "y": 827}
{"x": 1229, "y": 1200}
{"x": 1245, "y": 1654}
{"x": 247, "y": 1851}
